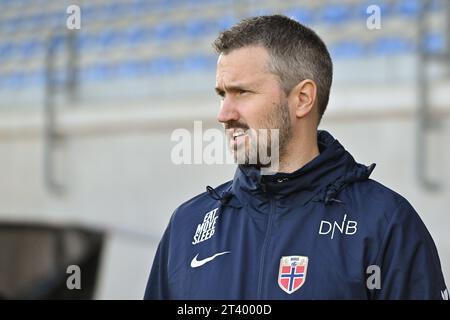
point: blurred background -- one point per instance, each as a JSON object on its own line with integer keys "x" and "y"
{"x": 86, "y": 118}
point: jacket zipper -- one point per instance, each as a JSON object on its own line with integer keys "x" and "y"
{"x": 264, "y": 248}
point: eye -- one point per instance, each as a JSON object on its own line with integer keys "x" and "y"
{"x": 242, "y": 91}
{"x": 221, "y": 94}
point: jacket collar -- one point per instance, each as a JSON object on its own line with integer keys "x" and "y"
{"x": 331, "y": 170}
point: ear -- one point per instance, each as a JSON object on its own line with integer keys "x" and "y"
{"x": 303, "y": 97}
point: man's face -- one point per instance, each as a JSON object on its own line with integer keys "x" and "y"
{"x": 252, "y": 99}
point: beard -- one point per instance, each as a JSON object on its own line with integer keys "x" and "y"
{"x": 263, "y": 147}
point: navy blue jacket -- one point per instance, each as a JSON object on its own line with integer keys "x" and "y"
{"x": 326, "y": 231}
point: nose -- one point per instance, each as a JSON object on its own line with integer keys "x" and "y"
{"x": 227, "y": 111}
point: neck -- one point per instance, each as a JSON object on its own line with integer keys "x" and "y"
{"x": 299, "y": 152}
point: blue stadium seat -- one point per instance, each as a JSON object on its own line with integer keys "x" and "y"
{"x": 225, "y": 22}
{"x": 108, "y": 38}
{"x": 115, "y": 9}
{"x": 95, "y": 72}
{"x": 392, "y": 45}
{"x": 137, "y": 34}
{"x": 86, "y": 40}
{"x": 110, "y": 10}
{"x": 198, "y": 28}
{"x": 58, "y": 18}
{"x": 165, "y": 31}
{"x": 131, "y": 68}
{"x": 58, "y": 42}
{"x": 302, "y": 15}
{"x": 89, "y": 12}
{"x": 139, "y": 7}
{"x": 36, "y": 78}
{"x": 347, "y": 49}
{"x": 31, "y": 47}
{"x": 198, "y": 62}
{"x": 14, "y": 80}
{"x": 6, "y": 50}
{"x": 162, "y": 65}
{"x": 336, "y": 13}
{"x": 191, "y": 3}
{"x": 38, "y": 20}
{"x": 12, "y": 24}
{"x": 434, "y": 42}
{"x": 408, "y": 7}
{"x": 3, "y": 24}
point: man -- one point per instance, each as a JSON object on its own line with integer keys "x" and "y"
{"x": 319, "y": 228}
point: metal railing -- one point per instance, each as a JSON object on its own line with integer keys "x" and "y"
{"x": 425, "y": 122}
{"x": 68, "y": 85}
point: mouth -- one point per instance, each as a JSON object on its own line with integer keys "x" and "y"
{"x": 238, "y": 134}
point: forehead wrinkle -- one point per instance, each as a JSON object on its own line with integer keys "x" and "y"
{"x": 254, "y": 83}
{"x": 235, "y": 67}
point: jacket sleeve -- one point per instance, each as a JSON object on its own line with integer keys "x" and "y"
{"x": 157, "y": 285}
{"x": 408, "y": 260}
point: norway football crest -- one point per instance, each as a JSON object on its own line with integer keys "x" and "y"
{"x": 292, "y": 274}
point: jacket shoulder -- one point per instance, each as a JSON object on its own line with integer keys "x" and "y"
{"x": 200, "y": 204}
{"x": 377, "y": 199}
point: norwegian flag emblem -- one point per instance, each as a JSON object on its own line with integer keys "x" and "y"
{"x": 292, "y": 274}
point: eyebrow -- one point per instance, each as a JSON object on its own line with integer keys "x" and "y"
{"x": 235, "y": 87}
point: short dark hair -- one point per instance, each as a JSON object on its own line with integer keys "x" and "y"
{"x": 296, "y": 52}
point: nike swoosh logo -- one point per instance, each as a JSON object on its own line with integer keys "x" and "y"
{"x": 198, "y": 263}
